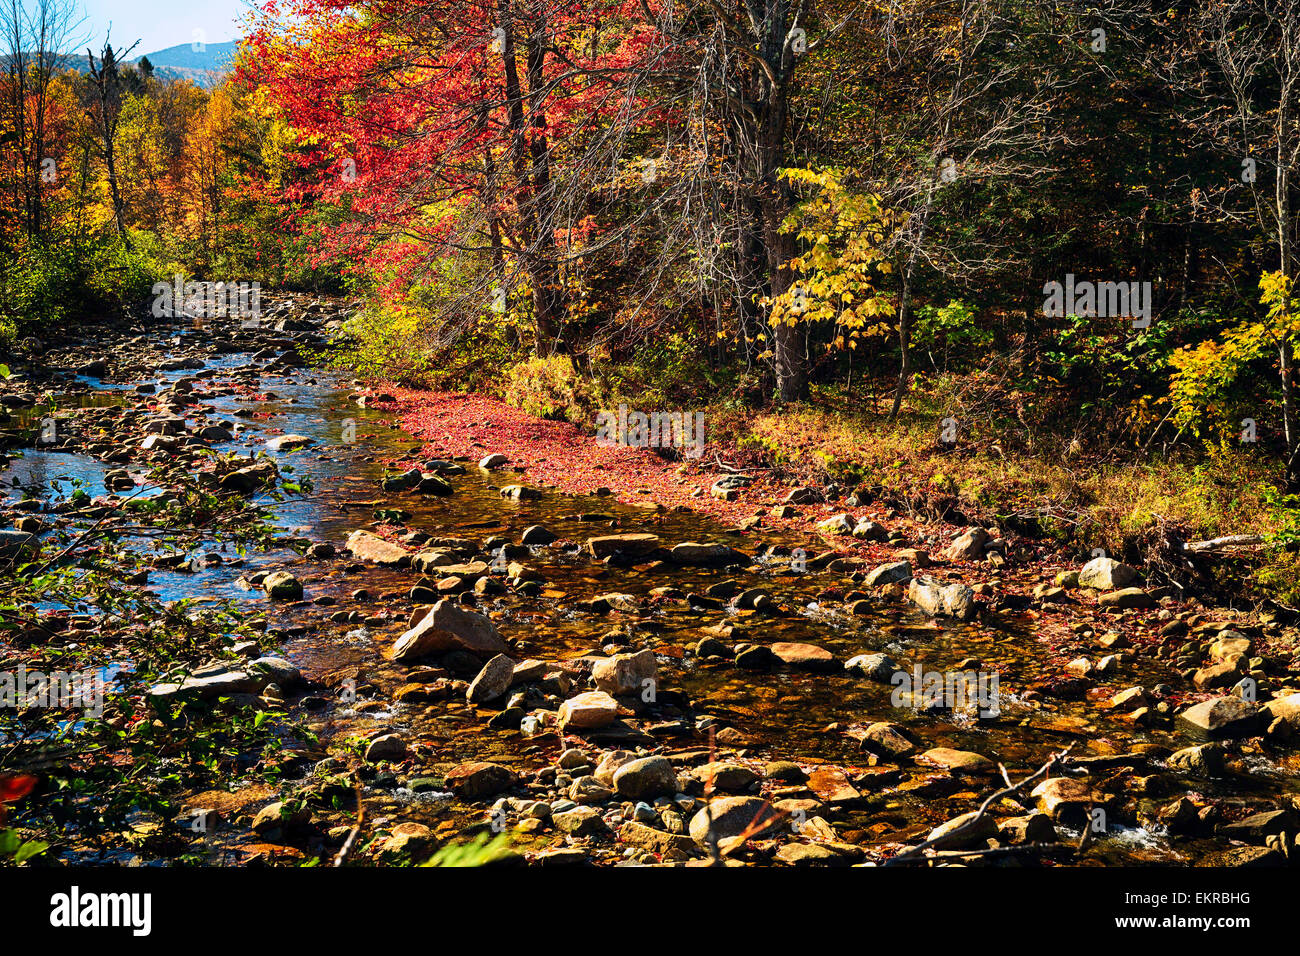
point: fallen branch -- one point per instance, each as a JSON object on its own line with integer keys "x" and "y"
{"x": 908, "y": 856}
{"x": 1227, "y": 542}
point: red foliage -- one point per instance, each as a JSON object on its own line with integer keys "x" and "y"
{"x": 396, "y": 104}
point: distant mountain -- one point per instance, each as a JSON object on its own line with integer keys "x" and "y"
{"x": 181, "y": 62}
{"x": 203, "y": 68}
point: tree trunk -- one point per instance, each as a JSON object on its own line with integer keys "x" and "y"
{"x": 522, "y": 156}
{"x": 904, "y": 343}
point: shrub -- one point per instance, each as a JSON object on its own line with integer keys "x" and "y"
{"x": 548, "y": 388}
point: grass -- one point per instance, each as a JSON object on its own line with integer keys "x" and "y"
{"x": 1082, "y": 502}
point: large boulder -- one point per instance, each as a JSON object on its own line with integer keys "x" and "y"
{"x": 449, "y": 627}
{"x": 1106, "y": 574}
{"x": 948, "y": 600}
{"x": 969, "y": 546}
{"x": 1223, "y": 717}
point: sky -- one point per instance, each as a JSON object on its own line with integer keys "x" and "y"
{"x": 158, "y": 24}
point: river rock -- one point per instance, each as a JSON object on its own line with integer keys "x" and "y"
{"x": 880, "y": 668}
{"x": 492, "y": 681}
{"x": 520, "y": 493}
{"x": 15, "y": 544}
{"x": 387, "y": 747}
{"x": 494, "y": 460}
{"x": 970, "y": 830}
{"x": 282, "y": 586}
{"x": 951, "y": 600}
{"x": 635, "y": 545}
{"x": 625, "y": 673}
{"x": 870, "y": 531}
{"x": 289, "y": 442}
{"x": 645, "y": 779}
{"x": 896, "y": 572}
{"x": 1031, "y": 828}
{"x": 589, "y": 711}
{"x": 656, "y": 841}
{"x": 969, "y": 546}
{"x": 1222, "y": 717}
{"x": 1285, "y": 709}
{"x": 804, "y": 656}
{"x": 1203, "y": 760}
{"x": 959, "y": 762}
{"x": 727, "y": 777}
{"x": 449, "y": 627}
{"x": 432, "y": 484}
{"x": 536, "y": 534}
{"x": 276, "y": 669}
{"x": 581, "y": 822}
{"x": 1105, "y": 574}
{"x": 371, "y": 547}
{"x": 711, "y": 554}
{"x": 728, "y": 487}
{"x": 1223, "y": 674}
{"x": 1126, "y": 598}
{"x": 837, "y": 524}
{"x": 1065, "y": 799}
{"x": 729, "y": 817}
{"x": 480, "y": 779}
{"x": 890, "y": 740}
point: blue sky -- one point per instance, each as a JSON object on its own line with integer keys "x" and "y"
{"x": 158, "y": 24}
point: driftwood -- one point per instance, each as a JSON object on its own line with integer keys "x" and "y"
{"x": 1227, "y": 542}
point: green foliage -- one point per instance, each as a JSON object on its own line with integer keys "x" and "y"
{"x": 548, "y": 388}
{"x": 480, "y": 851}
{"x": 16, "y": 850}
{"x": 53, "y": 283}
{"x": 944, "y": 329}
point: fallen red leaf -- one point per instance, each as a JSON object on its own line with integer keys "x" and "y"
{"x": 15, "y": 787}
